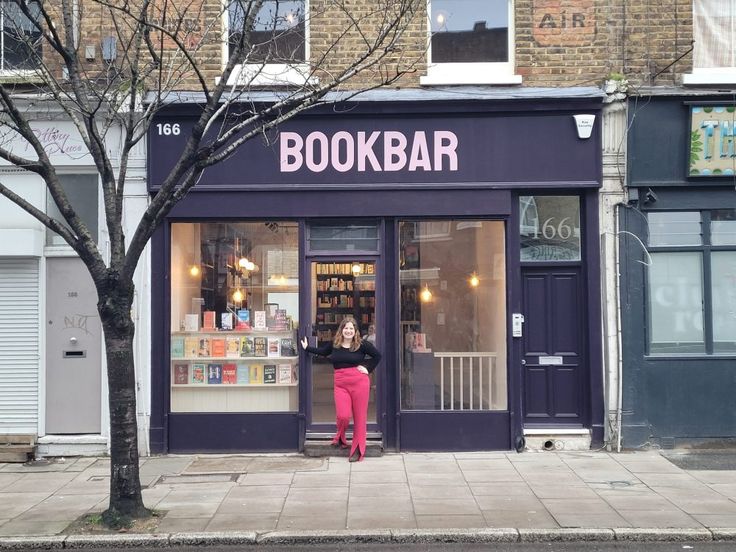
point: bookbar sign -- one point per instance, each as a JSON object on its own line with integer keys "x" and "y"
{"x": 378, "y": 151}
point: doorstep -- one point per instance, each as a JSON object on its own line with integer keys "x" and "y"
{"x": 72, "y": 445}
{"x": 551, "y": 438}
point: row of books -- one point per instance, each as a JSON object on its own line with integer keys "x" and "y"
{"x": 233, "y": 374}
{"x": 334, "y": 284}
{"x": 344, "y": 268}
{"x": 336, "y": 301}
{"x": 232, "y": 346}
{"x": 330, "y": 317}
{"x": 272, "y": 318}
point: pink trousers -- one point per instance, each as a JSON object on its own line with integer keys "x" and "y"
{"x": 352, "y": 388}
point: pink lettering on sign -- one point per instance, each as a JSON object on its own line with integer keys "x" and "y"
{"x": 55, "y": 141}
{"x": 344, "y": 151}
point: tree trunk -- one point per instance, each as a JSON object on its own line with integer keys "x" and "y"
{"x": 115, "y": 302}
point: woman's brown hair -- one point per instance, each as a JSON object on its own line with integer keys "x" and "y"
{"x": 357, "y": 340}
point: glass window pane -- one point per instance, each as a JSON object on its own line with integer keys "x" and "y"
{"x": 453, "y": 315}
{"x": 549, "y": 228}
{"x": 234, "y": 315}
{"x": 675, "y": 228}
{"x": 21, "y": 40}
{"x": 469, "y": 31}
{"x": 676, "y": 303}
{"x": 723, "y": 270}
{"x": 81, "y": 189}
{"x": 723, "y": 227}
{"x": 278, "y": 30}
{"x": 343, "y": 237}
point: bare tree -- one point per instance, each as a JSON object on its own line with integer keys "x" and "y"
{"x": 160, "y": 47}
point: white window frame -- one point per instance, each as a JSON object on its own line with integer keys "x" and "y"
{"x": 472, "y": 73}
{"x": 711, "y": 75}
{"x": 268, "y": 74}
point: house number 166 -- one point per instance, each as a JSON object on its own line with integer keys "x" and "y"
{"x": 168, "y": 129}
{"x": 550, "y": 231}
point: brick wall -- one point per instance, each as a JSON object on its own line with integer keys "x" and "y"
{"x": 558, "y": 42}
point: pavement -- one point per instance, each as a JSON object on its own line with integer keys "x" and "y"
{"x": 405, "y": 497}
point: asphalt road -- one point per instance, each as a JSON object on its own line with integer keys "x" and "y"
{"x": 501, "y": 547}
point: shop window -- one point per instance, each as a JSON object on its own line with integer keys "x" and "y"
{"x": 81, "y": 190}
{"x": 692, "y": 282}
{"x": 471, "y": 42}
{"x": 549, "y": 228}
{"x": 453, "y": 315}
{"x": 714, "y": 42}
{"x": 234, "y": 315}
{"x": 21, "y": 40}
{"x": 278, "y": 42}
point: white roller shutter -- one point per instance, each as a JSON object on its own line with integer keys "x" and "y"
{"x": 19, "y": 354}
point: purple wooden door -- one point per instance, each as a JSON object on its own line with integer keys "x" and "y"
{"x": 553, "y": 367}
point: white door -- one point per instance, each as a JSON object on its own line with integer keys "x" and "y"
{"x": 73, "y": 349}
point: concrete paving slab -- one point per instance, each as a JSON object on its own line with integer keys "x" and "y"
{"x": 372, "y": 465}
{"x": 574, "y": 505}
{"x": 647, "y": 502}
{"x": 27, "y": 528}
{"x": 59, "y": 508}
{"x": 492, "y": 476}
{"x": 39, "y": 482}
{"x": 384, "y": 520}
{"x": 429, "y": 478}
{"x": 286, "y": 463}
{"x": 563, "y": 491}
{"x": 716, "y": 520}
{"x": 162, "y": 465}
{"x": 8, "y": 479}
{"x": 245, "y": 505}
{"x": 440, "y": 492}
{"x": 728, "y": 490}
{"x": 205, "y": 509}
{"x": 266, "y": 479}
{"x": 247, "y": 522}
{"x": 424, "y": 506}
{"x": 593, "y": 521}
{"x": 182, "y": 525}
{"x": 364, "y": 478}
{"x": 320, "y": 495}
{"x": 716, "y": 506}
{"x": 227, "y": 464}
{"x": 379, "y": 504}
{"x": 706, "y": 476}
{"x": 501, "y": 489}
{"x": 151, "y": 497}
{"x": 681, "y": 480}
{"x": 476, "y": 464}
{"x": 508, "y": 503}
{"x": 193, "y": 496}
{"x": 291, "y": 523}
{"x": 661, "y": 466}
{"x": 432, "y": 467}
{"x": 451, "y": 521}
{"x": 327, "y": 509}
{"x": 14, "y": 504}
{"x": 380, "y": 489}
{"x": 265, "y": 491}
{"x": 659, "y": 518}
{"x": 539, "y": 519}
{"x": 323, "y": 480}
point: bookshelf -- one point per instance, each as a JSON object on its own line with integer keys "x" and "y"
{"x": 340, "y": 293}
{"x": 234, "y": 371}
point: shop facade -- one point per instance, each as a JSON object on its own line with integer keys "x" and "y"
{"x": 678, "y": 276}
{"x": 461, "y": 234}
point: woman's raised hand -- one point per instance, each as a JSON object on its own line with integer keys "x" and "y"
{"x": 304, "y": 342}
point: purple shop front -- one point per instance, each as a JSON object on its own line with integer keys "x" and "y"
{"x": 460, "y": 235}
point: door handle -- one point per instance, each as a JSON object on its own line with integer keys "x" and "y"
{"x": 523, "y": 362}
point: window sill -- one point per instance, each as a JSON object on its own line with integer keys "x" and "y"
{"x": 17, "y": 76}
{"x": 698, "y": 77}
{"x": 469, "y": 74}
{"x": 272, "y": 74}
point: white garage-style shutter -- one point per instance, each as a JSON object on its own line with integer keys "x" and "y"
{"x": 19, "y": 354}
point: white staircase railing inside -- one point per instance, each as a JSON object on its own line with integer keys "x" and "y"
{"x": 469, "y": 379}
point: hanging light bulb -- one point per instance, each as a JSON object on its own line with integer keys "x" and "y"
{"x": 249, "y": 265}
{"x": 425, "y": 295}
{"x": 243, "y": 263}
{"x": 194, "y": 271}
{"x": 282, "y": 280}
{"x": 474, "y": 280}
{"x": 238, "y": 296}
{"x": 356, "y": 269}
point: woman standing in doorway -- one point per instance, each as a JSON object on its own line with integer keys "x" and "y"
{"x": 353, "y": 359}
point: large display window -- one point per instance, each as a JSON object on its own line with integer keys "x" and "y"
{"x": 234, "y": 315}
{"x": 452, "y": 276}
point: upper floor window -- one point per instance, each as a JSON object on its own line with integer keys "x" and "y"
{"x": 471, "y": 42}
{"x": 277, "y": 42}
{"x": 714, "y": 36}
{"x": 19, "y": 40}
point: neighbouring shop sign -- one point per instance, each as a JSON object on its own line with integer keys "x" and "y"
{"x": 712, "y": 148}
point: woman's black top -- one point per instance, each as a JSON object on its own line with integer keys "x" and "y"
{"x": 342, "y": 357}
